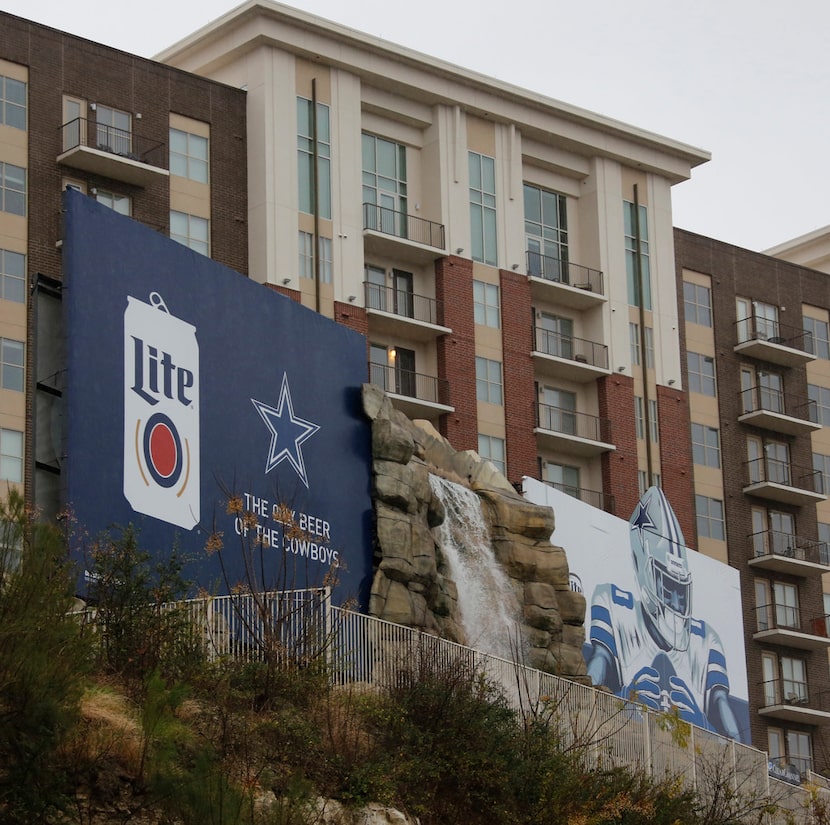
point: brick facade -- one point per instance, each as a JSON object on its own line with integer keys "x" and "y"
{"x": 619, "y": 468}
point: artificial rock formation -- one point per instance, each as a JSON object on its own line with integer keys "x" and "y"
{"x": 411, "y": 584}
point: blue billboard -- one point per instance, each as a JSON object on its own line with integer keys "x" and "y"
{"x": 211, "y": 413}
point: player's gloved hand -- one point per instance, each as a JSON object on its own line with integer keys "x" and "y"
{"x": 681, "y": 697}
{"x": 645, "y": 688}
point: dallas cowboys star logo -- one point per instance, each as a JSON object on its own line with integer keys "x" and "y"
{"x": 643, "y": 521}
{"x": 288, "y": 432}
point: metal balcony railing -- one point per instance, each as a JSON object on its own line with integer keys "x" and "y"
{"x": 754, "y": 399}
{"x": 569, "y": 422}
{"x": 755, "y": 328}
{"x": 126, "y": 144}
{"x": 784, "y": 691}
{"x": 777, "y": 471}
{"x": 411, "y": 384}
{"x": 596, "y": 498}
{"x": 570, "y": 347}
{"x": 788, "y": 617}
{"x": 777, "y": 543}
{"x": 564, "y": 272}
{"x": 402, "y": 303}
{"x": 401, "y": 225}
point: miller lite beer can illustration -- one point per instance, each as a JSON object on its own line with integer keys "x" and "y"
{"x": 161, "y": 413}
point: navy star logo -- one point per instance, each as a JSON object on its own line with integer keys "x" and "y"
{"x": 643, "y": 521}
{"x": 288, "y": 432}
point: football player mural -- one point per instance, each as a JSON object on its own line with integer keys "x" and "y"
{"x": 646, "y": 644}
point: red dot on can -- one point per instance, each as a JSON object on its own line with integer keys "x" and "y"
{"x": 163, "y": 450}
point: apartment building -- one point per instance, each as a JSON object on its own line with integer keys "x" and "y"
{"x": 147, "y": 140}
{"x": 757, "y": 369}
{"x": 489, "y": 241}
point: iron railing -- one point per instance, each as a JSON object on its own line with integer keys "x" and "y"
{"x": 788, "y": 617}
{"x": 402, "y": 303}
{"x": 596, "y": 498}
{"x": 758, "y": 398}
{"x": 778, "y": 471}
{"x": 411, "y": 384}
{"x": 402, "y": 225}
{"x": 783, "y": 691}
{"x": 779, "y": 543}
{"x": 122, "y": 142}
{"x": 564, "y": 272}
{"x": 569, "y": 422}
{"x": 570, "y": 347}
{"x": 756, "y": 328}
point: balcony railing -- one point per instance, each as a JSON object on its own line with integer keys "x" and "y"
{"x": 777, "y": 471}
{"x": 788, "y": 617}
{"x": 756, "y": 328}
{"x": 411, "y": 384}
{"x": 402, "y": 303}
{"x": 125, "y": 144}
{"x": 401, "y": 225}
{"x": 784, "y": 691}
{"x": 766, "y": 399}
{"x": 571, "y": 348}
{"x": 564, "y": 272}
{"x": 596, "y": 498}
{"x": 777, "y": 543}
{"x": 569, "y": 422}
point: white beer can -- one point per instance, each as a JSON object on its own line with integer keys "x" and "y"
{"x": 161, "y": 413}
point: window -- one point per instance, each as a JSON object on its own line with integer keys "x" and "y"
{"x": 773, "y": 532}
{"x": 118, "y": 203}
{"x": 701, "y": 373}
{"x": 793, "y": 680}
{"x": 379, "y": 371}
{"x": 488, "y": 380}
{"x": 631, "y": 255}
{"x": 12, "y": 276}
{"x": 326, "y": 262}
{"x": 188, "y": 155}
{"x": 555, "y": 335}
{"x": 384, "y": 185}
{"x": 639, "y": 418}
{"x": 113, "y": 130}
{"x": 305, "y": 154}
{"x": 557, "y": 412}
{"x": 761, "y": 390}
{"x": 654, "y": 422}
{"x": 12, "y": 102}
{"x": 820, "y": 409}
{"x": 546, "y": 234}
{"x": 697, "y": 303}
{"x": 824, "y": 548}
{"x": 768, "y": 460}
{"x": 705, "y": 445}
{"x": 483, "y": 208}
{"x": 826, "y": 597}
{"x": 486, "y": 304}
{"x": 817, "y": 337}
{"x": 11, "y": 364}
{"x": 634, "y": 341}
{"x": 821, "y": 466}
{"x": 563, "y": 478}
{"x": 756, "y": 320}
{"x": 785, "y": 597}
{"x": 306, "y": 245}
{"x": 492, "y": 449}
{"x": 710, "y": 523}
{"x": 190, "y": 230}
{"x": 11, "y": 455}
{"x": 790, "y": 749}
{"x": 12, "y": 189}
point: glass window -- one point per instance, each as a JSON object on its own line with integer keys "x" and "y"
{"x": 817, "y": 337}
{"x": 546, "y": 234}
{"x": 486, "y": 304}
{"x": 12, "y": 189}
{"x": 326, "y": 262}
{"x": 118, "y": 203}
{"x": 488, "y": 380}
{"x": 492, "y": 448}
{"x": 821, "y": 465}
{"x": 189, "y": 155}
{"x": 697, "y": 303}
{"x": 705, "y": 445}
{"x": 563, "y": 478}
{"x": 11, "y": 455}
{"x": 11, "y": 364}
{"x": 820, "y": 409}
{"x": 191, "y": 231}
{"x": 12, "y": 102}
{"x": 113, "y": 130}
{"x": 306, "y": 245}
{"x": 634, "y": 341}
{"x": 701, "y": 373}
{"x": 12, "y": 276}
{"x": 799, "y": 750}
{"x": 384, "y": 185}
{"x": 305, "y": 154}
{"x": 710, "y": 522}
{"x": 631, "y": 255}
{"x": 483, "y": 208}
{"x": 785, "y": 597}
{"x": 639, "y": 418}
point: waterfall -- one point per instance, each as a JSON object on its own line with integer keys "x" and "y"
{"x": 486, "y": 600}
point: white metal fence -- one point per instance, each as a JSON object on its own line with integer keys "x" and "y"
{"x": 303, "y": 625}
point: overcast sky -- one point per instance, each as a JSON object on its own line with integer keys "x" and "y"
{"x": 747, "y": 80}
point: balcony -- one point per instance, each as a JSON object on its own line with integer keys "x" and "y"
{"x": 112, "y": 153}
{"x": 789, "y": 700}
{"x": 595, "y": 498}
{"x": 414, "y": 394}
{"x": 401, "y": 236}
{"x": 564, "y": 356}
{"x": 786, "y": 553}
{"x": 780, "y": 624}
{"x": 771, "y": 410}
{"x": 786, "y": 483}
{"x": 772, "y": 341}
{"x": 566, "y": 283}
{"x": 572, "y": 432}
{"x": 398, "y": 312}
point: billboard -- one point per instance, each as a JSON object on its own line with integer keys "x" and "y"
{"x": 663, "y": 622}
{"x": 211, "y": 413}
